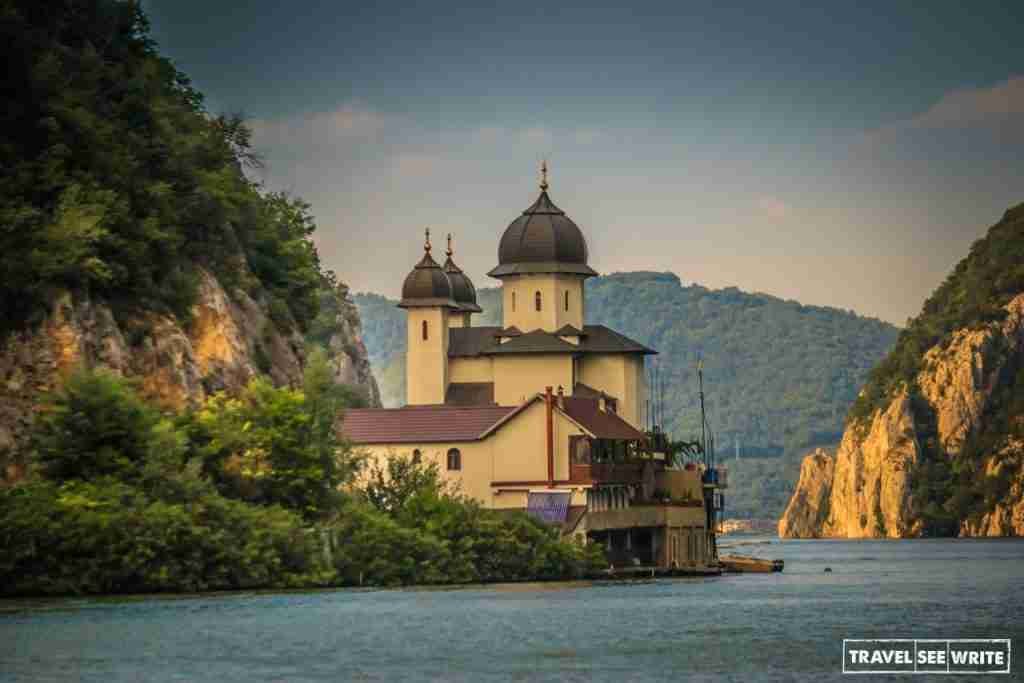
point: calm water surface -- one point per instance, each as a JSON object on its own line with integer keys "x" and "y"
{"x": 785, "y": 626}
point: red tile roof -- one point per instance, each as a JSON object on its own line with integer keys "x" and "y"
{"x": 421, "y": 424}
{"x": 602, "y": 424}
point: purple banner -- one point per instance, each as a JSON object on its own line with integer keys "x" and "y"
{"x": 550, "y": 507}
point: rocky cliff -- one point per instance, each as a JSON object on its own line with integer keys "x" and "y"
{"x": 867, "y": 489}
{"x": 229, "y": 339}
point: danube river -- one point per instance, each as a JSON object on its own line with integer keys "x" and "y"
{"x": 787, "y": 626}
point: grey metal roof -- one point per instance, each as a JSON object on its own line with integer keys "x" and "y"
{"x": 537, "y": 341}
{"x": 427, "y": 285}
{"x": 463, "y": 290}
{"x": 470, "y": 394}
{"x": 542, "y": 240}
{"x": 466, "y": 342}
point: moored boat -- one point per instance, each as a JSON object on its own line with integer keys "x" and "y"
{"x": 742, "y": 563}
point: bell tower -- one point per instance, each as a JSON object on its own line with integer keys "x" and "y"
{"x": 427, "y": 298}
{"x": 542, "y": 264}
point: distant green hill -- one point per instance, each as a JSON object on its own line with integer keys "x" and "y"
{"x": 779, "y": 376}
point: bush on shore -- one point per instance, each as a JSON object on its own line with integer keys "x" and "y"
{"x": 247, "y": 492}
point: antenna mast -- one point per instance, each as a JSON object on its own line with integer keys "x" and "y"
{"x": 703, "y": 421}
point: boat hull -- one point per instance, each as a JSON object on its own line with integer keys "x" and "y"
{"x": 743, "y": 564}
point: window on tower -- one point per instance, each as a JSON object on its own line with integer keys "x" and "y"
{"x": 513, "y": 302}
{"x": 424, "y": 327}
{"x": 536, "y": 301}
{"x": 567, "y": 299}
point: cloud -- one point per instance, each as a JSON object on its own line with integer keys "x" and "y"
{"x": 350, "y": 122}
{"x": 537, "y": 136}
{"x": 589, "y": 136}
{"x": 773, "y": 207}
{"x": 961, "y": 108}
{"x": 970, "y": 106}
{"x": 489, "y": 134}
{"x": 418, "y": 165}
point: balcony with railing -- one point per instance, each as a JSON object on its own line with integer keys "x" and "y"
{"x": 606, "y": 473}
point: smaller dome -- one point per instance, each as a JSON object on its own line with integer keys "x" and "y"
{"x": 463, "y": 290}
{"x": 427, "y": 285}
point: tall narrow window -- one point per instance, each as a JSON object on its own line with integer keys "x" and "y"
{"x": 454, "y": 459}
{"x": 567, "y": 299}
{"x": 536, "y": 301}
{"x": 513, "y": 302}
{"x": 424, "y": 326}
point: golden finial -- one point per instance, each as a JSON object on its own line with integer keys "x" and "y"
{"x": 426, "y": 246}
{"x": 544, "y": 175}
{"x": 449, "y": 252}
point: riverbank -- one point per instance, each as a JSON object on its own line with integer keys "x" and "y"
{"x": 750, "y": 627}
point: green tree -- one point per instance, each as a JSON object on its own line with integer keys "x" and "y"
{"x": 273, "y": 446}
{"x": 96, "y": 425}
{"x": 392, "y": 485}
{"x": 118, "y": 183}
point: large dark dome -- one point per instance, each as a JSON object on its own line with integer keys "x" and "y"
{"x": 542, "y": 240}
{"x": 427, "y": 285}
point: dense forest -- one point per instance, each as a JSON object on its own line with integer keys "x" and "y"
{"x": 117, "y": 182}
{"x": 779, "y": 376}
{"x": 950, "y": 489}
{"x": 119, "y": 185}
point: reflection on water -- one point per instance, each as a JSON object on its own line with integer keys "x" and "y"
{"x": 785, "y": 626}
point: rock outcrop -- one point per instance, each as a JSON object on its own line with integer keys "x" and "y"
{"x": 347, "y": 350}
{"x": 229, "y": 340}
{"x": 1007, "y": 517}
{"x": 869, "y": 492}
{"x": 808, "y": 508}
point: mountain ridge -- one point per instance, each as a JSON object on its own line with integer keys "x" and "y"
{"x": 763, "y": 391}
{"x": 934, "y": 443}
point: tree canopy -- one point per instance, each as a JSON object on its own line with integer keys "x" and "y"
{"x": 118, "y": 182}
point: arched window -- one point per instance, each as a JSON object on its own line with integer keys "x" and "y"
{"x": 567, "y": 299}
{"x": 417, "y": 456}
{"x": 536, "y": 301}
{"x": 454, "y": 459}
{"x": 424, "y": 326}
{"x": 513, "y": 302}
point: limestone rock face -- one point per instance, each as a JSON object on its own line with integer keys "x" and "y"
{"x": 808, "y": 508}
{"x": 1007, "y": 517}
{"x": 229, "y": 340}
{"x": 352, "y": 363}
{"x": 871, "y": 487}
{"x": 958, "y": 379}
{"x": 869, "y": 494}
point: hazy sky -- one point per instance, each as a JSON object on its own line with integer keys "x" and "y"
{"x": 844, "y": 155}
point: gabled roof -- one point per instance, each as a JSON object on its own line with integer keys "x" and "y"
{"x": 533, "y": 342}
{"x": 603, "y": 424}
{"x": 471, "y": 341}
{"x": 421, "y": 424}
{"x": 454, "y": 424}
{"x": 569, "y": 331}
{"x": 585, "y": 391}
{"x": 482, "y": 341}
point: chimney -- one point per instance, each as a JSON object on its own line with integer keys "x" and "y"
{"x": 561, "y": 397}
{"x": 602, "y": 403}
{"x": 551, "y": 437}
